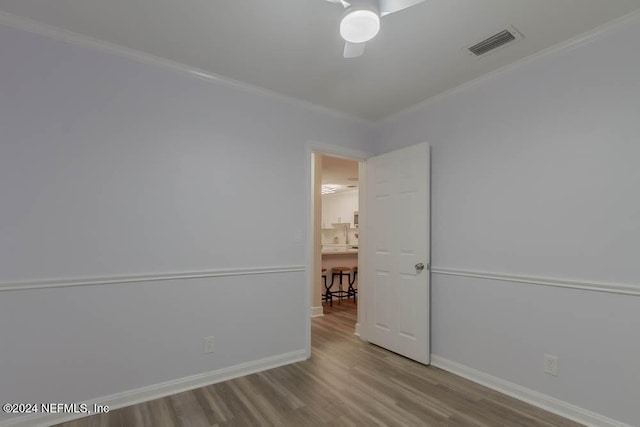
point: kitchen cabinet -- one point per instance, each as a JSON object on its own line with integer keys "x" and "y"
{"x": 339, "y": 208}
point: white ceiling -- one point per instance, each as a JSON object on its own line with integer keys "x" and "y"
{"x": 293, "y": 46}
{"x": 339, "y": 171}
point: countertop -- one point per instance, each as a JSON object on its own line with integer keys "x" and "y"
{"x": 339, "y": 250}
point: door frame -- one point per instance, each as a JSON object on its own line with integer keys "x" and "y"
{"x": 351, "y": 154}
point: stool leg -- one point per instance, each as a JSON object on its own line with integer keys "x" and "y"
{"x": 351, "y": 290}
{"x": 341, "y": 293}
{"x": 329, "y": 293}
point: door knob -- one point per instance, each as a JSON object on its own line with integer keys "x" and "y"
{"x": 419, "y": 266}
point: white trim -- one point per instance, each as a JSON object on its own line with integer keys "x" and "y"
{"x": 309, "y": 213}
{"x": 317, "y": 311}
{"x": 337, "y": 151}
{"x": 363, "y": 242}
{"x": 571, "y": 43}
{"x": 151, "y": 277}
{"x": 156, "y": 391}
{"x": 356, "y": 332}
{"x": 66, "y": 36}
{"x": 614, "y": 288}
{"x": 548, "y": 403}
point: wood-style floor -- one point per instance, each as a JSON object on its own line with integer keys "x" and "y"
{"x": 345, "y": 383}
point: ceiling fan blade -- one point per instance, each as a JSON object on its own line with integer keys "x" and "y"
{"x": 340, "y": 2}
{"x": 391, "y": 6}
{"x": 353, "y": 50}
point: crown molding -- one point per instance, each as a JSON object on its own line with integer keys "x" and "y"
{"x": 569, "y": 44}
{"x": 56, "y": 33}
{"x": 70, "y": 37}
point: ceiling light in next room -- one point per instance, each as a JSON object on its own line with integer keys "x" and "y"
{"x": 330, "y": 188}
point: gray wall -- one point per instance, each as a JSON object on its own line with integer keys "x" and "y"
{"x": 535, "y": 171}
{"x": 113, "y": 167}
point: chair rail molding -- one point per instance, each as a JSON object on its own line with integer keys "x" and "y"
{"x": 614, "y": 288}
{"x": 150, "y": 277}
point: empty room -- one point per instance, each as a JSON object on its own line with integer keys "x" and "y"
{"x": 319, "y": 212}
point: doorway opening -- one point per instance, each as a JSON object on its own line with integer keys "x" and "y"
{"x": 339, "y": 234}
{"x": 335, "y": 223}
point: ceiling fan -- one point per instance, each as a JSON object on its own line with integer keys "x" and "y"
{"x": 361, "y": 21}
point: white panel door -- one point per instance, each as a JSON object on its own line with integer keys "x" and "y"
{"x": 398, "y": 252}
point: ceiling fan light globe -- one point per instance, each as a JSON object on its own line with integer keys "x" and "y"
{"x": 360, "y": 26}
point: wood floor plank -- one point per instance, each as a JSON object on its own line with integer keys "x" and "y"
{"x": 346, "y": 382}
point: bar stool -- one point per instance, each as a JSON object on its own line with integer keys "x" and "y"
{"x": 327, "y": 289}
{"x": 352, "y": 280}
{"x": 340, "y": 272}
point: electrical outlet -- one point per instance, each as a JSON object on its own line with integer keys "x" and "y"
{"x": 208, "y": 344}
{"x": 551, "y": 365}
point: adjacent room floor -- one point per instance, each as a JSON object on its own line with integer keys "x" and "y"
{"x": 346, "y": 382}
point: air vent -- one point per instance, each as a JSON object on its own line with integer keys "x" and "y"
{"x": 494, "y": 42}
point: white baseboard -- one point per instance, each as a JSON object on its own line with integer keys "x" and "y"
{"x": 144, "y": 394}
{"x": 357, "y": 331}
{"x": 551, "y": 404}
{"x": 317, "y": 311}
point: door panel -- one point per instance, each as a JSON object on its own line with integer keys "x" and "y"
{"x": 382, "y": 309}
{"x": 398, "y": 232}
{"x": 407, "y": 318}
